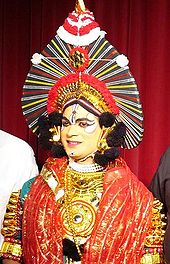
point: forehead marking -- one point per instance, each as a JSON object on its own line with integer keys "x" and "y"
{"x": 73, "y": 113}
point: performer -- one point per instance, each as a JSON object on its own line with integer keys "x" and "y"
{"x": 17, "y": 165}
{"x": 160, "y": 187}
{"x": 86, "y": 206}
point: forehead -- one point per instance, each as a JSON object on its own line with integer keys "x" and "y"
{"x": 79, "y": 111}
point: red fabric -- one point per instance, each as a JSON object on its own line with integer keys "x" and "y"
{"x": 122, "y": 220}
{"x": 139, "y": 29}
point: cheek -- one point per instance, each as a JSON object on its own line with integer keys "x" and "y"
{"x": 62, "y": 128}
{"x": 63, "y": 134}
{"x": 93, "y": 137}
{"x": 90, "y": 129}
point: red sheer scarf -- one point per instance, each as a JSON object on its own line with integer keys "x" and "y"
{"x": 121, "y": 223}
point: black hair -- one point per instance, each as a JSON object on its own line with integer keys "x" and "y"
{"x": 44, "y": 134}
{"x": 70, "y": 250}
{"x": 114, "y": 139}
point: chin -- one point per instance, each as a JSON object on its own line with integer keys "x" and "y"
{"x": 73, "y": 156}
{"x": 76, "y": 158}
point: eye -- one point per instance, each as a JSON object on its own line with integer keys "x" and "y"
{"x": 85, "y": 124}
{"x": 65, "y": 123}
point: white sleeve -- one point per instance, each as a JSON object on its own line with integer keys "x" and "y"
{"x": 17, "y": 165}
{"x": 27, "y": 168}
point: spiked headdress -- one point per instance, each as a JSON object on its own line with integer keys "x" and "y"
{"x": 80, "y": 65}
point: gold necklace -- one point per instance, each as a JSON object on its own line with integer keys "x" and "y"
{"x": 82, "y": 195}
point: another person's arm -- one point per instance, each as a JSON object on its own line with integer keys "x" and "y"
{"x": 9, "y": 261}
{"x": 160, "y": 187}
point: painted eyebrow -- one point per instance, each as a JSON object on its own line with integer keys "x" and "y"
{"x": 79, "y": 119}
{"x": 65, "y": 118}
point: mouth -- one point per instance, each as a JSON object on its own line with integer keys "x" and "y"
{"x": 72, "y": 143}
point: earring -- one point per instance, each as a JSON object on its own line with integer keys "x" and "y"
{"x": 55, "y": 134}
{"x": 102, "y": 143}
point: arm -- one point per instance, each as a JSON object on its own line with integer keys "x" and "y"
{"x": 160, "y": 187}
{"x": 161, "y": 181}
{"x": 153, "y": 245}
{"x": 11, "y": 250}
{"x": 167, "y": 234}
{"x": 9, "y": 261}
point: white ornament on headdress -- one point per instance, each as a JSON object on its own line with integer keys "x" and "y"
{"x": 78, "y": 40}
{"x": 37, "y": 58}
{"x": 122, "y": 60}
{"x": 82, "y": 21}
{"x": 102, "y": 33}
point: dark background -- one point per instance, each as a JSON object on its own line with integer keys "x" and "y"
{"x": 140, "y": 29}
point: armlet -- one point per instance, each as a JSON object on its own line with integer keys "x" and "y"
{"x": 153, "y": 245}
{"x": 11, "y": 247}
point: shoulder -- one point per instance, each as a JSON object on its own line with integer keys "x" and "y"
{"x": 55, "y": 167}
{"x": 166, "y": 155}
{"x": 163, "y": 168}
{"x": 119, "y": 167}
{"x": 11, "y": 143}
{"x": 26, "y": 188}
{"x": 168, "y": 150}
{"x": 56, "y": 164}
{"x": 20, "y": 144}
{"x": 119, "y": 180}
{"x": 122, "y": 173}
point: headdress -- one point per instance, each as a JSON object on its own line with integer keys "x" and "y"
{"x": 79, "y": 64}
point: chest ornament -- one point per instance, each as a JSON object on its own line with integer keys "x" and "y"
{"x": 83, "y": 192}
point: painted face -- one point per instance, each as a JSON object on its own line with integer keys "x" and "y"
{"x": 80, "y": 133}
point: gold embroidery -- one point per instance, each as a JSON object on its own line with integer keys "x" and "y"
{"x": 13, "y": 249}
{"x": 82, "y": 195}
{"x": 11, "y": 218}
{"x": 155, "y": 236}
{"x": 80, "y": 89}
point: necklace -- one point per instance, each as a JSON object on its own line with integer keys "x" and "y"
{"x": 82, "y": 196}
{"x": 85, "y": 167}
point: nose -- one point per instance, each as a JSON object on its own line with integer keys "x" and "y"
{"x": 72, "y": 130}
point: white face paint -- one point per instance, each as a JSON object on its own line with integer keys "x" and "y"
{"x": 91, "y": 126}
{"x": 80, "y": 132}
{"x": 87, "y": 122}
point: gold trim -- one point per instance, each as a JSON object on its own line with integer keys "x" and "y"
{"x": 12, "y": 249}
{"x": 153, "y": 246}
{"x": 11, "y": 223}
{"x": 79, "y": 90}
{"x": 156, "y": 232}
{"x": 81, "y": 189}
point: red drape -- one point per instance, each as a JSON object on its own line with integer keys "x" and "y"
{"x": 139, "y": 29}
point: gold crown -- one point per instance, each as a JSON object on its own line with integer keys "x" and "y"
{"x": 81, "y": 90}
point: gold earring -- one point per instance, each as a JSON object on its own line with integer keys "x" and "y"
{"x": 102, "y": 143}
{"x": 55, "y": 134}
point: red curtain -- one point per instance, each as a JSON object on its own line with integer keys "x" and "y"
{"x": 139, "y": 29}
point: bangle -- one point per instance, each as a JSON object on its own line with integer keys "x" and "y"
{"x": 11, "y": 250}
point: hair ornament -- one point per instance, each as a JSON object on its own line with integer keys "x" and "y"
{"x": 102, "y": 144}
{"x": 55, "y": 134}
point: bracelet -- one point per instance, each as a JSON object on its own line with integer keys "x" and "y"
{"x": 11, "y": 250}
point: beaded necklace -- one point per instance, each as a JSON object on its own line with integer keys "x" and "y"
{"x": 85, "y": 167}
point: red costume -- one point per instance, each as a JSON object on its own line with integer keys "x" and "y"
{"x": 122, "y": 220}
{"x": 90, "y": 199}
